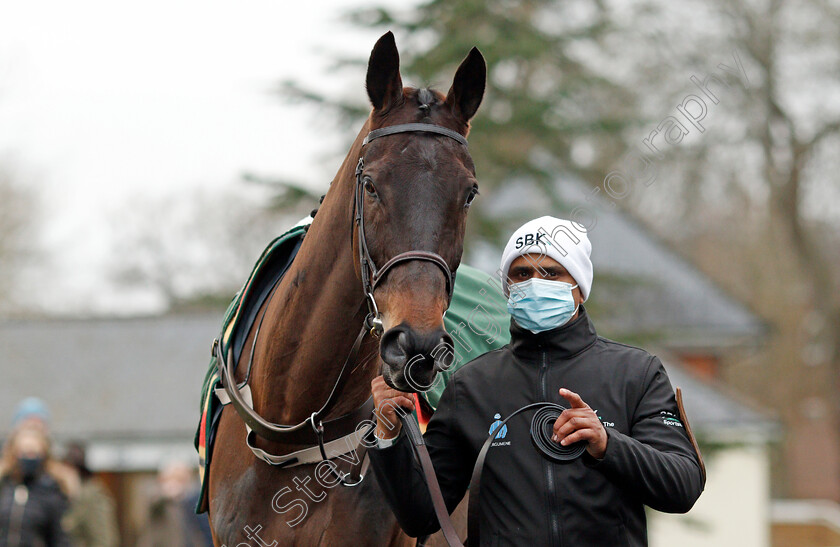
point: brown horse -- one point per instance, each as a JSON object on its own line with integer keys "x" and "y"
{"x": 416, "y": 187}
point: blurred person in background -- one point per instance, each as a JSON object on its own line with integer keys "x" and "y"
{"x": 33, "y": 491}
{"x": 172, "y": 521}
{"x": 91, "y": 520}
{"x": 32, "y": 412}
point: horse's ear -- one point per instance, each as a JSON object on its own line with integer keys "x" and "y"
{"x": 468, "y": 86}
{"x": 384, "y": 85}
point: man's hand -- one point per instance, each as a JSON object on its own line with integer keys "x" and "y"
{"x": 385, "y": 401}
{"x": 580, "y": 423}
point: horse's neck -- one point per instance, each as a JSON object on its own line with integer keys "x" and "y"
{"x": 314, "y": 317}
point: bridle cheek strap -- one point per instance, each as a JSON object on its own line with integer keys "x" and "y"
{"x": 371, "y": 275}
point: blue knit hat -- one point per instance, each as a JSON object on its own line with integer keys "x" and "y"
{"x": 31, "y": 407}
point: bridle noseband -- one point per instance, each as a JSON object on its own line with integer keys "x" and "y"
{"x": 371, "y": 275}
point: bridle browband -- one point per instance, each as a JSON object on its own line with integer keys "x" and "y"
{"x": 414, "y": 128}
{"x": 313, "y": 427}
{"x": 371, "y": 275}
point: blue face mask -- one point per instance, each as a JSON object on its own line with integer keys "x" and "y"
{"x": 540, "y": 305}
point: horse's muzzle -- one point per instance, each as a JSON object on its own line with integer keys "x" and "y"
{"x": 412, "y": 358}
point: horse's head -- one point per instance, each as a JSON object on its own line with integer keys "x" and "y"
{"x": 415, "y": 189}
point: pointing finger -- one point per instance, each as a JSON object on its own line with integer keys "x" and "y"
{"x": 573, "y": 398}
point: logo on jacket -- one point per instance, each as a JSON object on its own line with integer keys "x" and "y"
{"x": 606, "y": 424}
{"x": 669, "y": 418}
{"x": 502, "y": 432}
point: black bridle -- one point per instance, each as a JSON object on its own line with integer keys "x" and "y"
{"x": 314, "y": 428}
{"x": 371, "y": 275}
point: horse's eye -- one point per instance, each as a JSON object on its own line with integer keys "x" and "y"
{"x": 473, "y": 192}
{"x": 369, "y": 187}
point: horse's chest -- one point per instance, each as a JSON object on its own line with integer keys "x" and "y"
{"x": 294, "y": 507}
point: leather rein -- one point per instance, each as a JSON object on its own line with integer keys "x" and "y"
{"x": 314, "y": 431}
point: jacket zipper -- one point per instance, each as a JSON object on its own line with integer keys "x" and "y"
{"x": 549, "y": 475}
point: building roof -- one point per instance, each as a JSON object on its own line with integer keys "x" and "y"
{"x": 109, "y": 378}
{"x": 642, "y": 288}
{"x": 139, "y": 380}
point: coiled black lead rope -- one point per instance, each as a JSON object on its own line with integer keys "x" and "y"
{"x": 542, "y": 429}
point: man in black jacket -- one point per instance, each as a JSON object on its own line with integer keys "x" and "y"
{"x": 619, "y": 400}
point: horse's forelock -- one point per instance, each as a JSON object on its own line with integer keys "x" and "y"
{"x": 425, "y": 98}
{"x": 425, "y": 104}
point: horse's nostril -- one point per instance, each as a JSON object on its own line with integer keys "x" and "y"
{"x": 403, "y": 342}
{"x": 394, "y": 346}
{"x": 424, "y": 352}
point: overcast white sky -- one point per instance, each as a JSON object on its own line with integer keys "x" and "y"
{"x": 102, "y": 101}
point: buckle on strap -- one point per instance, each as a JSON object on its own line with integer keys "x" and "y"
{"x": 319, "y": 431}
{"x": 345, "y": 482}
{"x": 373, "y": 320}
{"x": 374, "y": 325}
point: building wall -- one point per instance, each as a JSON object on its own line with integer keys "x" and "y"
{"x": 132, "y": 493}
{"x": 732, "y": 511}
{"x": 813, "y": 453}
{"x": 804, "y": 535}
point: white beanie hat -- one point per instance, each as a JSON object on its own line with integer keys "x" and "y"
{"x": 563, "y": 240}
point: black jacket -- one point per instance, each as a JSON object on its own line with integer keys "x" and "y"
{"x": 525, "y": 499}
{"x": 30, "y": 513}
